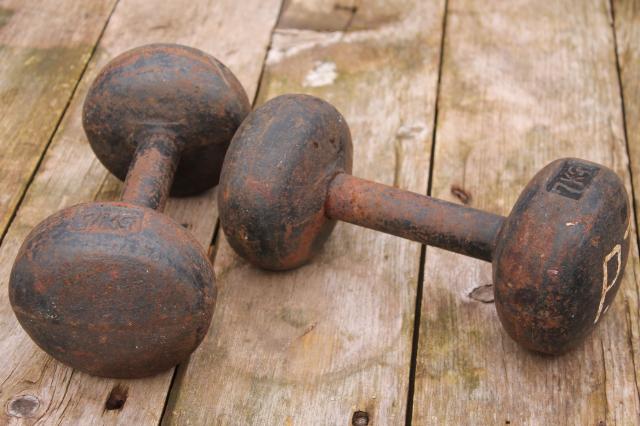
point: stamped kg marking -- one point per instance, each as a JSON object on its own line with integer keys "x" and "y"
{"x": 108, "y": 219}
{"x": 573, "y": 179}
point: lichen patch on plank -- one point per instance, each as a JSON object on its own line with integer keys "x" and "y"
{"x": 323, "y": 73}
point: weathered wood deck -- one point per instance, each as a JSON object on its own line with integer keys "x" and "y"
{"x": 440, "y": 94}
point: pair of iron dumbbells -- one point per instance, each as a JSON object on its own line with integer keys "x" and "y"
{"x": 117, "y": 289}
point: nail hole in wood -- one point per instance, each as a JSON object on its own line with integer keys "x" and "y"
{"x": 360, "y": 418}
{"x": 352, "y": 9}
{"x": 117, "y": 398}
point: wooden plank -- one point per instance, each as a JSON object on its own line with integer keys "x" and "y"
{"x": 33, "y": 385}
{"x": 626, "y": 14}
{"x": 42, "y": 57}
{"x": 315, "y": 345}
{"x": 627, "y": 27}
{"x": 523, "y": 83}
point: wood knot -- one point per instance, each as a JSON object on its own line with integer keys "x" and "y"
{"x": 23, "y": 406}
{"x": 483, "y": 294}
{"x": 461, "y": 194}
{"x": 117, "y": 397}
{"x": 360, "y": 418}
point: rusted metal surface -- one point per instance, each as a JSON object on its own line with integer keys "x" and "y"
{"x": 275, "y": 178}
{"x": 179, "y": 88}
{"x": 117, "y": 289}
{"x": 413, "y": 216}
{"x": 561, "y": 254}
{"x": 113, "y": 289}
{"x": 151, "y": 174}
{"x": 558, "y": 258}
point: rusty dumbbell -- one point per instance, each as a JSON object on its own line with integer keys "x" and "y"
{"x": 117, "y": 289}
{"x": 557, "y": 258}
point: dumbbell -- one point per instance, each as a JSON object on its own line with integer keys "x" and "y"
{"x": 118, "y": 289}
{"x": 558, "y": 258}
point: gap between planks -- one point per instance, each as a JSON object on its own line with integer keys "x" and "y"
{"x": 423, "y": 251}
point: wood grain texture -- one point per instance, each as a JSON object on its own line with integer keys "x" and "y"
{"x": 33, "y": 387}
{"x": 314, "y": 345}
{"x": 626, "y": 14}
{"x": 41, "y": 59}
{"x": 523, "y": 83}
{"x": 627, "y": 26}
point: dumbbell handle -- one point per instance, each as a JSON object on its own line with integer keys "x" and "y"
{"x": 413, "y": 216}
{"x": 151, "y": 172}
